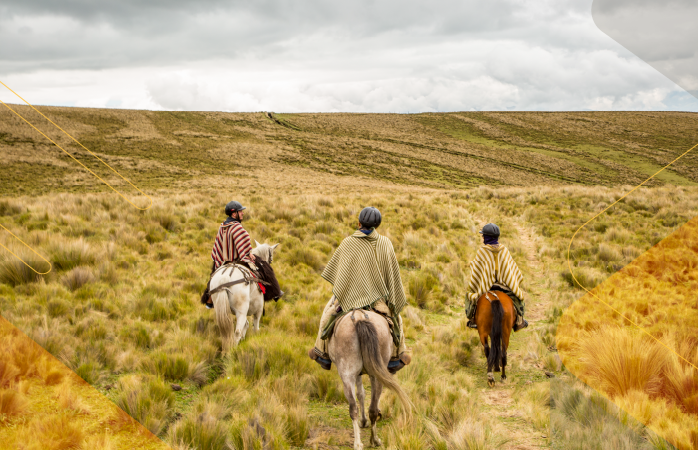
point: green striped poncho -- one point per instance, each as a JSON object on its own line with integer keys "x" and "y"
{"x": 493, "y": 263}
{"x": 364, "y": 269}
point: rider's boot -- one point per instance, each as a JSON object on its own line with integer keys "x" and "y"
{"x": 322, "y": 359}
{"x": 520, "y": 323}
{"x": 471, "y": 324}
{"x": 281, "y": 294}
{"x": 398, "y": 363}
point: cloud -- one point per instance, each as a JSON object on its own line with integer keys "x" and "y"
{"x": 314, "y": 55}
{"x": 663, "y": 34}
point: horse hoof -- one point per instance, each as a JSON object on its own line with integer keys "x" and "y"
{"x": 490, "y": 383}
{"x": 504, "y": 377}
{"x": 376, "y": 442}
{"x": 364, "y": 423}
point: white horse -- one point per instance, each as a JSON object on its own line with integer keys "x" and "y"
{"x": 241, "y": 300}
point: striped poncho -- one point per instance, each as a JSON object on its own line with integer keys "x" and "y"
{"x": 364, "y": 269}
{"x": 493, "y": 263}
{"x": 232, "y": 243}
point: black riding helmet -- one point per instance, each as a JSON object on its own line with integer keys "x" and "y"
{"x": 490, "y": 230}
{"x": 370, "y": 217}
{"x": 233, "y": 206}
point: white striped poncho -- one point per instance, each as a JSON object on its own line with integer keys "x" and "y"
{"x": 364, "y": 269}
{"x": 493, "y": 263}
{"x": 232, "y": 243}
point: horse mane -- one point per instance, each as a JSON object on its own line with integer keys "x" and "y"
{"x": 264, "y": 252}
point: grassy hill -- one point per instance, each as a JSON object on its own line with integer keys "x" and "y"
{"x": 121, "y": 305}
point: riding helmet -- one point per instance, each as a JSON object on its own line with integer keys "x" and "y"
{"x": 490, "y": 230}
{"x": 233, "y": 206}
{"x": 370, "y": 217}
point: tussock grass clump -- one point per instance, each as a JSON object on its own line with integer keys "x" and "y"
{"x": 582, "y": 419}
{"x": 66, "y": 254}
{"x": 12, "y": 402}
{"x": 77, "y": 278}
{"x": 15, "y": 272}
{"x": 169, "y": 367}
{"x": 55, "y": 432}
{"x": 619, "y": 361}
{"x": 147, "y": 399}
{"x": 420, "y": 285}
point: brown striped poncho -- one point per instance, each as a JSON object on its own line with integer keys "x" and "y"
{"x": 232, "y": 243}
{"x": 364, "y": 269}
{"x": 493, "y": 263}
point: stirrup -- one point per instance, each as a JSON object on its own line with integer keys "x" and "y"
{"x": 472, "y": 324}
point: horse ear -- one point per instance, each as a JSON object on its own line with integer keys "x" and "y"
{"x": 257, "y": 244}
{"x": 274, "y": 246}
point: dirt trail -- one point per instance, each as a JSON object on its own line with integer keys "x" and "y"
{"x": 500, "y": 399}
{"x": 536, "y": 303}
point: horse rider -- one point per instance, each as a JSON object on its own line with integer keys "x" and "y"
{"x": 364, "y": 274}
{"x": 494, "y": 269}
{"x": 233, "y": 244}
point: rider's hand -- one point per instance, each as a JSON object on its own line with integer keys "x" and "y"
{"x": 252, "y": 257}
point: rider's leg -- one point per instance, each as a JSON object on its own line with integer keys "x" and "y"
{"x": 320, "y": 349}
{"x": 519, "y": 307}
{"x": 402, "y": 355}
{"x": 470, "y": 312}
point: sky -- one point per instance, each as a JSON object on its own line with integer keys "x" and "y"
{"x": 362, "y": 56}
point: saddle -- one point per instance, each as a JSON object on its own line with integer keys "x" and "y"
{"x": 248, "y": 276}
{"x": 379, "y": 307}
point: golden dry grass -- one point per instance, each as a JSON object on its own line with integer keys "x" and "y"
{"x": 630, "y": 348}
{"x": 43, "y": 405}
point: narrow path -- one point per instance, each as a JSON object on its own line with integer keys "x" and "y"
{"x": 500, "y": 399}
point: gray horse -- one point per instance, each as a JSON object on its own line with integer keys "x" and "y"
{"x": 240, "y": 300}
{"x": 362, "y": 343}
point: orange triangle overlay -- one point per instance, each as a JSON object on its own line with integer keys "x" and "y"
{"x": 637, "y": 343}
{"x": 44, "y": 405}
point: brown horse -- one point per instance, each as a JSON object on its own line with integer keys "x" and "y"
{"x": 495, "y": 317}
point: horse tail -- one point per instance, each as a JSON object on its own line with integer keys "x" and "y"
{"x": 225, "y": 323}
{"x": 495, "y": 357}
{"x": 373, "y": 362}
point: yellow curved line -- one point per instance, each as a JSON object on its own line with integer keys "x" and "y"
{"x": 50, "y": 266}
{"x": 569, "y": 264}
{"x": 71, "y": 137}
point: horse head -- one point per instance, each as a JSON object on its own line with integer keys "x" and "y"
{"x": 264, "y": 251}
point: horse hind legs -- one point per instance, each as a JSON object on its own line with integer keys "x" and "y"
{"x": 361, "y": 397}
{"x": 350, "y": 395}
{"x": 373, "y": 412}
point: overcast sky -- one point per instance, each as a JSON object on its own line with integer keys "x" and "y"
{"x": 361, "y": 55}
